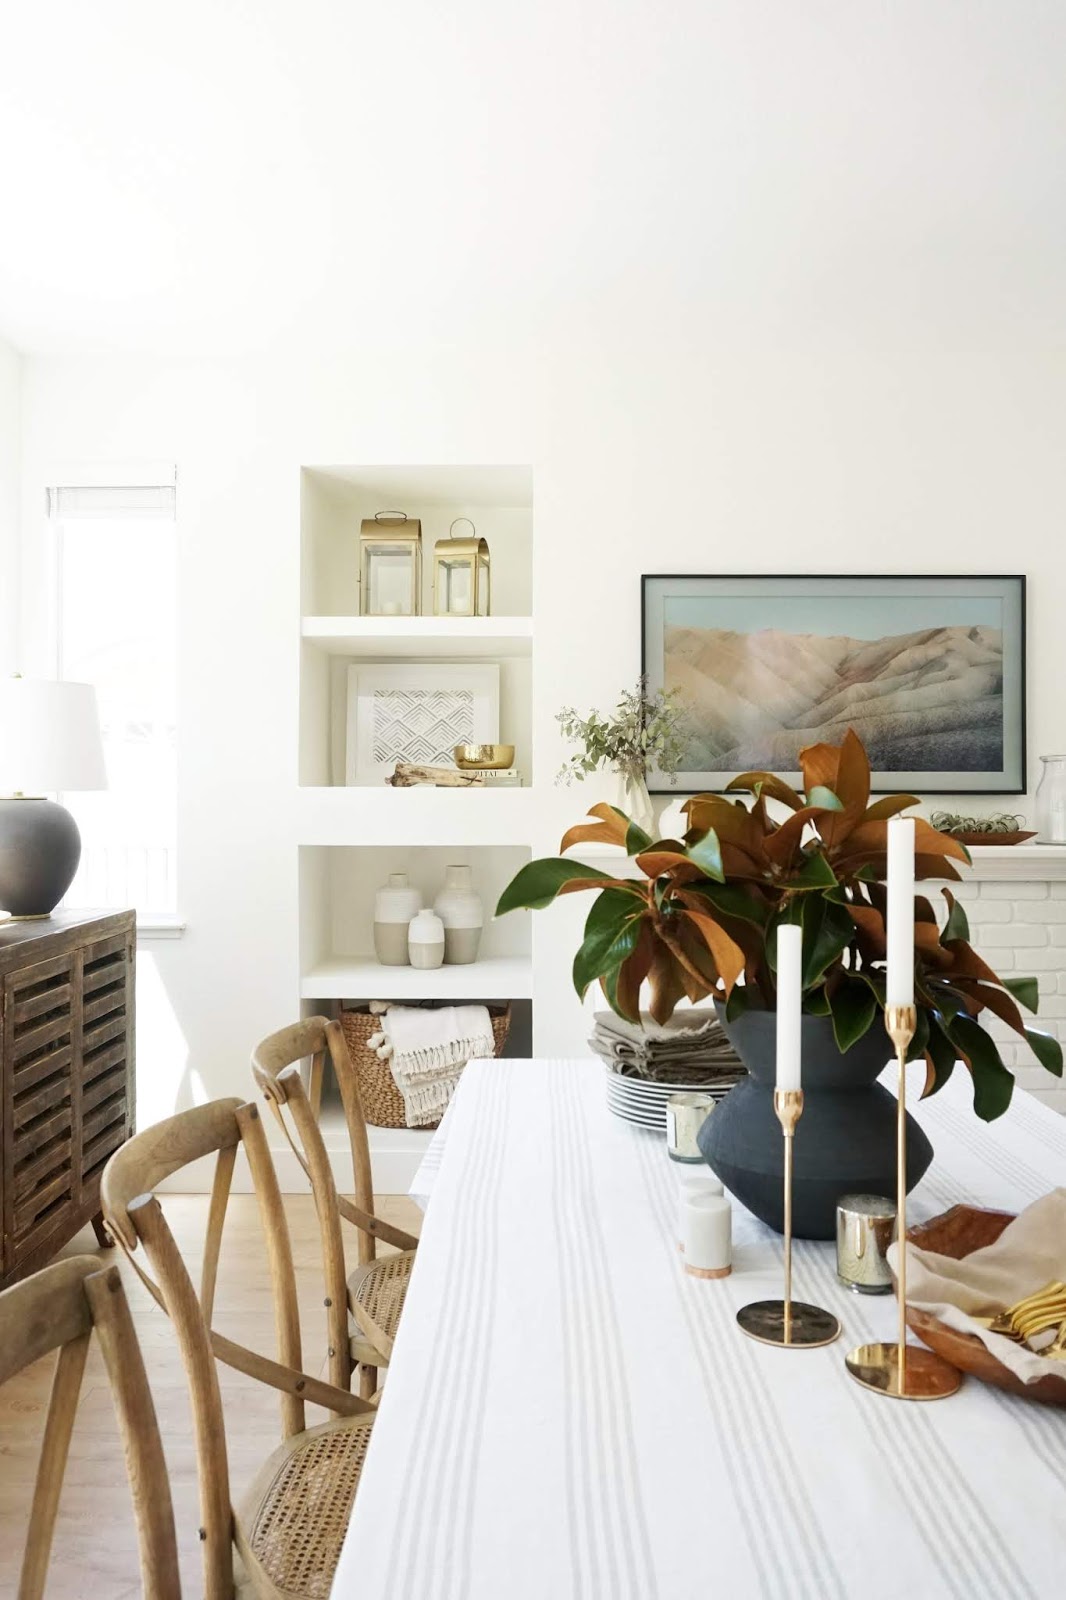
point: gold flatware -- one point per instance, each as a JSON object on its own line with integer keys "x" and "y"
{"x": 1057, "y": 1348}
{"x": 1043, "y": 1309}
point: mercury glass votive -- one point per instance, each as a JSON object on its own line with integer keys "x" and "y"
{"x": 866, "y": 1226}
{"x": 685, "y": 1116}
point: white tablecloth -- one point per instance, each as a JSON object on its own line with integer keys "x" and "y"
{"x": 568, "y": 1415}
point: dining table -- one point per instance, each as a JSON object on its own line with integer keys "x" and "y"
{"x": 568, "y": 1415}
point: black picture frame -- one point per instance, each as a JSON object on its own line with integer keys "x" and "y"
{"x": 716, "y": 596}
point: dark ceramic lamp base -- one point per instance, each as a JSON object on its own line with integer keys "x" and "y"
{"x": 40, "y": 848}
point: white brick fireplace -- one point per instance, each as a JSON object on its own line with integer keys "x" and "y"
{"x": 1015, "y": 899}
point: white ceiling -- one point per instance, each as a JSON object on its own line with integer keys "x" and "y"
{"x": 236, "y": 174}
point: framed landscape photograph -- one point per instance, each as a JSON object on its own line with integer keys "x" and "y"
{"x": 929, "y": 671}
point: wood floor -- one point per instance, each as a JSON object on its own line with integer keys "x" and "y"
{"x": 95, "y": 1552}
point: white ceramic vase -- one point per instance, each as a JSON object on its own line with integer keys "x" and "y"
{"x": 394, "y": 906}
{"x": 631, "y": 796}
{"x": 460, "y": 910}
{"x": 425, "y": 941}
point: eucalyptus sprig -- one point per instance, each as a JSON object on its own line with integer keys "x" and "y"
{"x": 645, "y": 730}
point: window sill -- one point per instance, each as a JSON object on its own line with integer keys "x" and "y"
{"x": 160, "y": 926}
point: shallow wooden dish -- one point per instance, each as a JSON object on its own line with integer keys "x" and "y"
{"x": 956, "y": 1233}
{"x": 991, "y": 838}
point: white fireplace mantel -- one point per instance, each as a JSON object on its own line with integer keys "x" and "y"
{"x": 1020, "y": 863}
{"x": 1017, "y": 863}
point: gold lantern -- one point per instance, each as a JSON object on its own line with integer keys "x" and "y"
{"x": 390, "y": 565}
{"x": 461, "y": 575}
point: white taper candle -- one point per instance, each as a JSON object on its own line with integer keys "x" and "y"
{"x": 899, "y": 982}
{"x": 789, "y": 1004}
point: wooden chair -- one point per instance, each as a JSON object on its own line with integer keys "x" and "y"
{"x": 57, "y": 1309}
{"x": 374, "y": 1293}
{"x": 290, "y": 1526}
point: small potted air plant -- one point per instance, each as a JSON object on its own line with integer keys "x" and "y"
{"x": 701, "y": 921}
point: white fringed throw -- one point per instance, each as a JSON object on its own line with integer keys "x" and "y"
{"x": 427, "y": 1051}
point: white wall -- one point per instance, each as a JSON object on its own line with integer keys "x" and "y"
{"x": 10, "y": 464}
{"x": 709, "y": 455}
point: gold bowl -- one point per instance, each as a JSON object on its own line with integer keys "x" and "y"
{"x": 484, "y": 757}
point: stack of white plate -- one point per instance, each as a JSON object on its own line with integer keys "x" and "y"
{"x": 639, "y": 1101}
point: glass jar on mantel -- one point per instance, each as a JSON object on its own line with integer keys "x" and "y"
{"x": 390, "y": 565}
{"x": 1051, "y": 801}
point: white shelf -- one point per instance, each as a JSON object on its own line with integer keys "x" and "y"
{"x": 420, "y": 637}
{"x": 363, "y": 978}
{"x": 423, "y": 815}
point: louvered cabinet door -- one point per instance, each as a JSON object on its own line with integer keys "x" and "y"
{"x": 103, "y": 1095}
{"x": 66, "y": 1077}
{"x": 40, "y": 1055}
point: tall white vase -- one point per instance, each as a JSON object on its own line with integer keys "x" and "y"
{"x": 631, "y": 796}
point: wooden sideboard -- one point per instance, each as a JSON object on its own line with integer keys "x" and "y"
{"x": 66, "y": 1076}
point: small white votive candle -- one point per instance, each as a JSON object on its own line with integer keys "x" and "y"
{"x": 691, "y": 1185}
{"x": 708, "y": 1236}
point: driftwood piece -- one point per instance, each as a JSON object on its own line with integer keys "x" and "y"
{"x": 410, "y": 773}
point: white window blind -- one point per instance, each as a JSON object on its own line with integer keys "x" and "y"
{"x": 115, "y": 551}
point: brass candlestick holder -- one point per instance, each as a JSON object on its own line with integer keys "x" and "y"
{"x": 906, "y": 1372}
{"x": 793, "y": 1324}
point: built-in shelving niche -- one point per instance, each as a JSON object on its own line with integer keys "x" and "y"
{"x": 334, "y": 501}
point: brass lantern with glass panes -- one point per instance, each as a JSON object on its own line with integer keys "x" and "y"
{"x": 390, "y": 565}
{"x": 461, "y": 575}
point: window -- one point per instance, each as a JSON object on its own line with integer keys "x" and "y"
{"x": 115, "y": 553}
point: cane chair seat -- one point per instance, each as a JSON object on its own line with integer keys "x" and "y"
{"x": 296, "y": 1513}
{"x": 376, "y": 1294}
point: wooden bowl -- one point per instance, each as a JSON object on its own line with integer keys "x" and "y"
{"x": 956, "y": 1233}
{"x": 991, "y": 838}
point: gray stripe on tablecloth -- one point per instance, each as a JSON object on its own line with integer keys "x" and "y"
{"x": 599, "y": 1421}
{"x": 1000, "y": 1158}
{"x": 457, "y": 1371}
{"x": 977, "y": 1542}
{"x": 752, "y": 1410}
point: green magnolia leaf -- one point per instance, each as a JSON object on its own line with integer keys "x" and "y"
{"x": 537, "y": 883}
{"x": 853, "y": 1008}
{"x": 734, "y": 901}
{"x": 875, "y": 982}
{"x": 948, "y": 1002}
{"x": 1025, "y": 990}
{"x": 739, "y": 1001}
{"x": 957, "y": 925}
{"x": 1048, "y": 1051}
{"x": 637, "y": 840}
{"x": 604, "y": 945}
{"x": 707, "y": 855}
{"x": 815, "y": 873}
{"x": 821, "y": 796}
{"x": 942, "y": 1054}
{"x": 816, "y": 1004}
{"x": 827, "y": 932}
{"x": 610, "y": 986}
{"x": 993, "y": 1085}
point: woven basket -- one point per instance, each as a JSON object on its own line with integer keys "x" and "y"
{"x": 382, "y": 1101}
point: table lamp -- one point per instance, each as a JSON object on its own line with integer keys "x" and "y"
{"x": 49, "y": 741}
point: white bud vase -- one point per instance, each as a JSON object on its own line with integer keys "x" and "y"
{"x": 425, "y": 941}
{"x": 632, "y": 797}
{"x": 459, "y": 908}
{"x": 394, "y": 906}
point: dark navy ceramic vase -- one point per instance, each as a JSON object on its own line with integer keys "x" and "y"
{"x": 845, "y": 1139}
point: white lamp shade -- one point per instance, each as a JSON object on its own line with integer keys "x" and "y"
{"x": 49, "y": 737}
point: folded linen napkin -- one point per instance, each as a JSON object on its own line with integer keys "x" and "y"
{"x": 427, "y": 1051}
{"x": 1030, "y": 1252}
{"x": 691, "y": 1046}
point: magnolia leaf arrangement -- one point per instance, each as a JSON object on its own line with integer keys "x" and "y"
{"x": 703, "y": 919}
